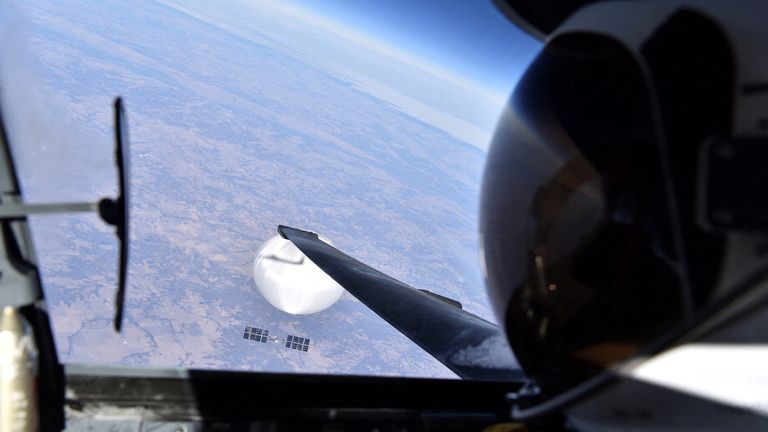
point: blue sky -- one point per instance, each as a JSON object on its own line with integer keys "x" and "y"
{"x": 469, "y": 36}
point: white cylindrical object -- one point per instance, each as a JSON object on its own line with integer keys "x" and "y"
{"x": 289, "y": 281}
{"x": 18, "y": 370}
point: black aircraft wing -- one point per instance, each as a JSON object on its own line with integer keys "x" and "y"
{"x": 470, "y": 346}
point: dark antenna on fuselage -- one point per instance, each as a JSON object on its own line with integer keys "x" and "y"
{"x": 112, "y": 211}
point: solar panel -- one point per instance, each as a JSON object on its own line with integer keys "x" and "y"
{"x": 256, "y": 334}
{"x": 297, "y": 343}
{"x": 291, "y": 342}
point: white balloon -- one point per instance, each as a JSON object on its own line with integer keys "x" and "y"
{"x": 289, "y": 281}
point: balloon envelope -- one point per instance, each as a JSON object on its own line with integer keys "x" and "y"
{"x": 289, "y": 281}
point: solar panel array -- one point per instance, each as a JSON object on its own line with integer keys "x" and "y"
{"x": 297, "y": 343}
{"x": 291, "y": 342}
{"x": 256, "y": 334}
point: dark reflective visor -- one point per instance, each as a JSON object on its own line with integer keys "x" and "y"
{"x": 581, "y": 246}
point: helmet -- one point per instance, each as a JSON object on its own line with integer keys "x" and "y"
{"x": 618, "y": 205}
